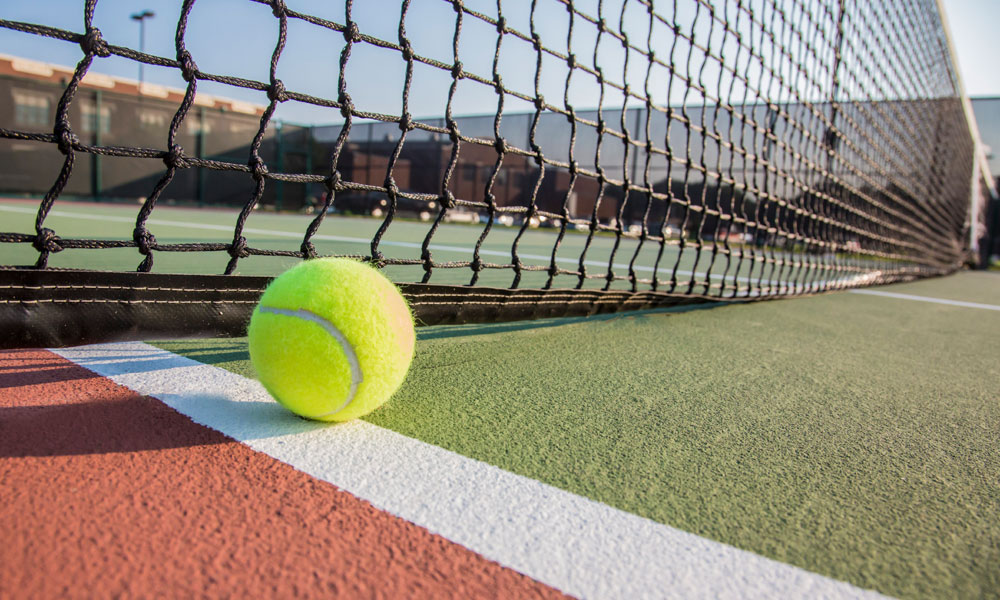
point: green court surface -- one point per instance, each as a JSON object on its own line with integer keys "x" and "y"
{"x": 346, "y": 235}
{"x": 852, "y": 435}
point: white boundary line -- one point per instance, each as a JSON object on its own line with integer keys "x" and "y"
{"x": 926, "y": 299}
{"x": 569, "y": 542}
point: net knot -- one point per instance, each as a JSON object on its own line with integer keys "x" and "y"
{"x": 278, "y": 8}
{"x": 406, "y": 50}
{"x": 46, "y": 240}
{"x": 258, "y": 167}
{"x": 346, "y": 105}
{"x": 498, "y": 83}
{"x": 571, "y": 61}
{"x": 476, "y": 264}
{"x": 391, "y": 187}
{"x": 406, "y": 122}
{"x": 501, "y": 25}
{"x": 536, "y": 41}
{"x": 67, "y": 140}
{"x": 238, "y": 249}
{"x": 332, "y": 181}
{"x": 144, "y": 240}
{"x": 93, "y": 43}
{"x": 626, "y": 90}
{"x": 276, "y": 91}
{"x": 574, "y": 167}
{"x": 175, "y": 158}
{"x": 602, "y": 25}
{"x": 540, "y": 102}
{"x": 457, "y": 71}
{"x": 351, "y": 32}
{"x": 307, "y": 249}
{"x": 500, "y": 145}
{"x": 189, "y": 70}
{"x": 457, "y": 5}
{"x": 447, "y": 200}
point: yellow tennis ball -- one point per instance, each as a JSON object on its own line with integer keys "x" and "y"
{"x": 331, "y": 339}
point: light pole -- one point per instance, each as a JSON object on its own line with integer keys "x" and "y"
{"x": 141, "y": 18}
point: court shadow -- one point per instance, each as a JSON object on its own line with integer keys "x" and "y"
{"x": 212, "y": 358}
{"x": 15, "y": 376}
{"x": 133, "y": 423}
{"x": 242, "y": 419}
{"x": 125, "y": 422}
{"x": 113, "y": 425}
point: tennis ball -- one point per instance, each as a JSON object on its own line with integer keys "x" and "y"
{"x": 331, "y": 339}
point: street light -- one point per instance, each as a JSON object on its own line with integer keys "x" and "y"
{"x": 141, "y": 18}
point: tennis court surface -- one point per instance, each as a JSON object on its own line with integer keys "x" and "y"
{"x": 809, "y": 447}
{"x": 700, "y": 291}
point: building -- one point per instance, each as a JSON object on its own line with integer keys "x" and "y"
{"x": 117, "y": 112}
{"x": 987, "y": 112}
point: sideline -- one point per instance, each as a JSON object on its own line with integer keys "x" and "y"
{"x": 926, "y": 299}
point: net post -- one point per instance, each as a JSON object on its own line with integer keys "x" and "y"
{"x": 980, "y": 166}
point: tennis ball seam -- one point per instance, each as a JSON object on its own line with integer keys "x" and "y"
{"x": 357, "y": 376}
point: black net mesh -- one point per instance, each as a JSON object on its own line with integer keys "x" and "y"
{"x": 703, "y": 148}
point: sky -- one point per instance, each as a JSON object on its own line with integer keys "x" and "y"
{"x": 237, "y": 37}
{"x": 975, "y": 25}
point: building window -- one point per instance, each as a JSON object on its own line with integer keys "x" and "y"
{"x": 152, "y": 119}
{"x": 247, "y": 128}
{"x": 92, "y": 121}
{"x": 32, "y": 108}
{"x": 197, "y": 125}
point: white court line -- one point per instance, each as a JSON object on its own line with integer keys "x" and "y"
{"x": 926, "y": 299}
{"x": 572, "y": 543}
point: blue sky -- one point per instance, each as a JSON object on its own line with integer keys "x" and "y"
{"x": 237, "y": 38}
{"x": 975, "y": 27}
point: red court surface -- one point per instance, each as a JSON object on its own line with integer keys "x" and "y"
{"x": 111, "y": 494}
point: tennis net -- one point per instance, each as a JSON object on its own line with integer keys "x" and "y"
{"x": 499, "y": 160}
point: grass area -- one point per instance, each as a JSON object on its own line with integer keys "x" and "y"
{"x": 851, "y": 435}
